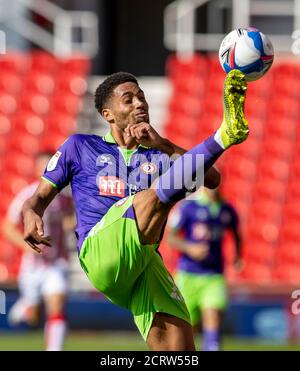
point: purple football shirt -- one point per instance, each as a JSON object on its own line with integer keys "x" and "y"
{"x": 201, "y": 223}
{"x": 100, "y": 174}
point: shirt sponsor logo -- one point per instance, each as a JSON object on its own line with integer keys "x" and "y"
{"x": 111, "y": 186}
{"x": 148, "y": 168}
{"x": 53, "y": 161}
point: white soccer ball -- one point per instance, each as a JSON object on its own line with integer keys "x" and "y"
{"x": 247, "y": 50}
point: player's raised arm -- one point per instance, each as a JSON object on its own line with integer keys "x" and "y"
{"x": 32, "y": 211}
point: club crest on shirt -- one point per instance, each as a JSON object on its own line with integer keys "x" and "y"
{"x": 53, "y": 161}
{"x": 148, "y": 168}
{"x": 111, "y": 186}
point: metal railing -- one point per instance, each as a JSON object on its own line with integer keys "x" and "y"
{"x": 61, "y": 40}
{"x": 180, "y": 22}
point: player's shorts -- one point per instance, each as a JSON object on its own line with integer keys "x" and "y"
{"x": 128, "y": 273}
{"x": 201, "y": 292}
{"x": 39, "y": 280}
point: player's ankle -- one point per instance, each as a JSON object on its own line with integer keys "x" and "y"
{"x": 219, "y": 140}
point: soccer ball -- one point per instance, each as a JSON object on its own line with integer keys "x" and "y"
{"x": 247, "y": 50}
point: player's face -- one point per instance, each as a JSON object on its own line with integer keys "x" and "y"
{"x": 128, "y": 105}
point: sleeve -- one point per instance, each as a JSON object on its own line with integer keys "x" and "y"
{"x": 62, "y": 165}
{"x": 178, "y": 217}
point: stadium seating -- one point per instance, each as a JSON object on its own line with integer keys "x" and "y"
{"x": 262, "y": 176}
{"x": 40, "y": 97}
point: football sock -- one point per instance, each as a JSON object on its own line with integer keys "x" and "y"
{"x": 174, "y": 184}
{"x": 55, "y": 332}
{"x": 211, "y": 340}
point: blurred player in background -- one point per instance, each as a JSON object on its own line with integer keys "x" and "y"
{"x": 121, "y": 210}
{"x": 42, "y": 276}
{"x": 196, "y": 230}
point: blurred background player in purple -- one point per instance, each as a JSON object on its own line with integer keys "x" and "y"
{"x": 42, "y": 276}
{"x": 197, "y": 231}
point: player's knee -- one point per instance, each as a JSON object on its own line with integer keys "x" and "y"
{"x": 149, "y": 199}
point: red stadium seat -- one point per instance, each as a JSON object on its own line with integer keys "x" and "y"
{"x": 291, "y": 210}
{"x": 250, "y": 150}
{"x": 288, "y": 273}
{"x": 290, "y": 232}
{"x": 35, "y": 103}
{"x": 28, "y": 123}
{"x": 269, "y": 190}
{"x": 243, "y": 168}
{"x": 237, "y": 190}
{"x": 282, "y": 127}
{"x": 10, "y": 83}
{"x": 20, "y": 164}
{"x": 5, "y": 125}
{"x": 5, "y": 201}
{"x": 13, "y": 184}
{"x": 274, "y": 169}
{"x": 269, "y": 210}
{"x": 71, "y": 83}
{"x": 262, "y": 87}
{"x": 3, "y": 146}
{"x": 68, "y": 104}
{"x": 261, "y": 231}
{"x": 52, "y": 142}
{"x": 286, "y": 86}
{"x": 26, "y": 144}
{"x": 277, "y": 148}
{"x": 256, "y": 273}
{"x": 15, "y": 62}
{"x": 39, "y": 83}
{"x": 44, "y": 62}
{"x": 77, "y": 64}
{"x": 259, "y": 253}
{"x": 255, "y": 107}
{"x": 62, "y": 124}
{"x": 8, "y": 104}
{"x": 288, "y": 253}
{"x": 283, "y": 106}
{"x": 293, "y": 189}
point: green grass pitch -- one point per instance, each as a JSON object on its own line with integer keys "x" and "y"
{"x": 118, "y": 341}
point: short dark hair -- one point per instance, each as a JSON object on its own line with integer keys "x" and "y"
{"x": 105, "y": 89}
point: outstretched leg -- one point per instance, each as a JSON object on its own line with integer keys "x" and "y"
{"x": 152, "y": 206}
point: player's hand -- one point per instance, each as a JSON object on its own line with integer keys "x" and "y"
{"x": 144, "y": 134}
{"x": 197, "y": 251}
{"x": 34, "y": 231}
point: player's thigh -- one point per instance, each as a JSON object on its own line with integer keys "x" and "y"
{"x": 30, "y": 283}
{"x": 56, "y": 280}
{"x": 113, "y": 256}
{"x": 151, "y": 215}
{"x": 190, "y": 286}
{"x": 156, "y": 292}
